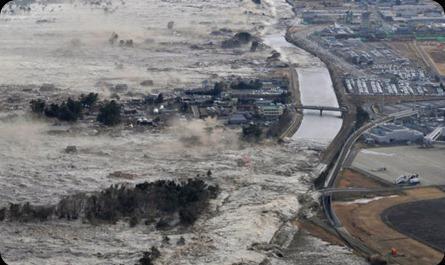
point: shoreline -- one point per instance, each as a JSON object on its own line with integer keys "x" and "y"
{"x": 297, "y": 117}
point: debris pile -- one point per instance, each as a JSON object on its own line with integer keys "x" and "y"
{"x": 240, "y": 38}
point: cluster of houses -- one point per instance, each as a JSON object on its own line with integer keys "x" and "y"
{"x": 388, "y": 72}
{"x": 234, "y": 106}
{"x": 258, "y": 101}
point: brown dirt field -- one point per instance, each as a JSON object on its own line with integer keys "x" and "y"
{"x": 438, "y": 57}
{"x": 363, "y": 221}
{"x": 317, "y": 231}
{"x": 350, "y": 178}
{"x": 406, "y": 49}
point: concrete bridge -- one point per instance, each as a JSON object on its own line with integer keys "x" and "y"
{"x": 432, "y": 138}
{"x": 322, "y": 108}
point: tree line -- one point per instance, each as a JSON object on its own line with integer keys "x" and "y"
{"x": 155, "y": 202}
{"x": 71, "y": 110}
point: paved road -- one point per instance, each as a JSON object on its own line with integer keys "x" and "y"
{"x": 354, "y": 137}
{"x": 370, "y": 190}
{"x": 326, "y": 199}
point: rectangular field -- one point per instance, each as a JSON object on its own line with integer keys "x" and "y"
{"x": 390, "y": 162}
{"x": 436, "y": 54}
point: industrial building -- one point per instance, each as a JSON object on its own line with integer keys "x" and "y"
{"x": 391, "y": 133}
{"x": 238, "y": 119}
{"x": 271, "y": 111}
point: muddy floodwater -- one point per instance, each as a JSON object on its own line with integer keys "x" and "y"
{"x": 66, "y": 43}
{"x": 315, "y": 82}
{"x": 316, "y": 90}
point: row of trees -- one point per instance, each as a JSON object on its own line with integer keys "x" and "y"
{"x": 362, "y": 117}
{"x": 72, "y": 110}
{"x": 149, "y": 200}
{"x": 252, "y": 84}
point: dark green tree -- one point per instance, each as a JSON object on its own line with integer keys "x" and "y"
{"x": 159, "y": 99}
{"x": 218, "y": 88}
{"x": 252, "y": 132}
{"x": 362, "y": 117}
{"x": 38, "y": 106}
{"x": 88, "y": 100}
{"x": 52, "y": 111}
{"x": 110, "y": 114}
{"x": 252, "y": 84}
{"x": 71, "y": 110}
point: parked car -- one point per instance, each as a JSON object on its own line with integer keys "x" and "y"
{"x": 411, "y": 180}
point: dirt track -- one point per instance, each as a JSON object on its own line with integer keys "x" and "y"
{"x": 364, "y": 222}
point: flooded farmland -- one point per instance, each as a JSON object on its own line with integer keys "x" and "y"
{"x": 67, "y": 44}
